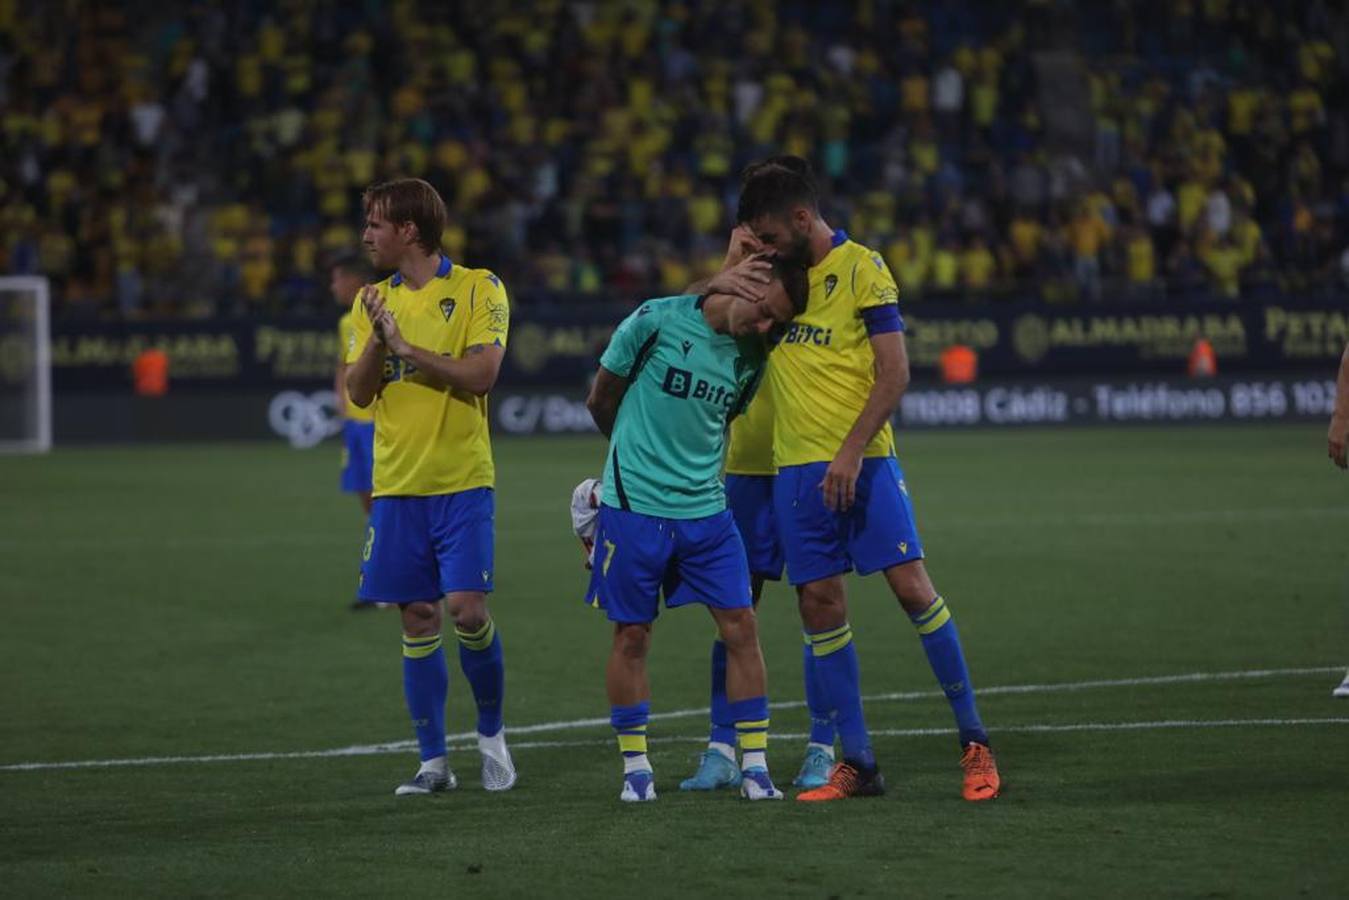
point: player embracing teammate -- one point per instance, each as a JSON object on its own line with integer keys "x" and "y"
{"x": 839, "y": 497}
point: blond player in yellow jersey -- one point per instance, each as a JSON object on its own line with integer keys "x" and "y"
{"x": 749, "y": 495}
{"x": 426, "y": 347}
{"x": 839, "y": 497}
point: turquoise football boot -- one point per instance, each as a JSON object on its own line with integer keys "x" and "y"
{"x": 815, "y": 769}
{"x": 714, "y": 771}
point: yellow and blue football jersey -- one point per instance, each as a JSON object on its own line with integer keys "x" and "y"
{"x": 353, "y": 413}
{"x": 432, "y": 440}
{"x": 749, "y": 449}
{"x": 822, "y": 369}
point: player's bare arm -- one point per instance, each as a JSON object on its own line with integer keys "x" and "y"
{"x": 892, "y": 377}
{"x": 605, "y": 396}
{"x": 1338, "y": 435}
{"x": 744, "y": 244}
{"x": 475, "y": 372}
{"x": 363, "y": 376}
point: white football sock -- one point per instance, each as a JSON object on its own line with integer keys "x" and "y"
{"x": 494, "y": 745}
{"x": 436, "y": 764}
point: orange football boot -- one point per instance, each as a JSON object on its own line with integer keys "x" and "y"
{"x": 846, "y": 780}
{"x": 981, "y": 773}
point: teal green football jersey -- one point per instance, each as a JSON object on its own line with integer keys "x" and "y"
{"x": 685, "y": 382}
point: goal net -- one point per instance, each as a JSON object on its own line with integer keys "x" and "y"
{"x": 25, "y": 365}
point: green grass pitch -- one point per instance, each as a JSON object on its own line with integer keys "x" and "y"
{"x": 192, "y": 601}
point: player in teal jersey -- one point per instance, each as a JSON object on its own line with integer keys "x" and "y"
{"x": 674, "y": 374}
{"x": 749, "y": 495}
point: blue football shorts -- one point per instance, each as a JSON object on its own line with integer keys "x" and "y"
{"x": 750, "y": 499}
{"x": 421, "y": 548}
{"x": 358, "y": 455}
{"x": 876, "y": 533}
{"x": 639, "y": 557}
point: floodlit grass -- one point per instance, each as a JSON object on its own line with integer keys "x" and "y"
{"x": 192, "y": 601}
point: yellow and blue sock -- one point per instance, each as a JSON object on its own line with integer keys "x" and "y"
{"x": 484, "y": 666}
{"x": 426, "y": 684}
{"x": 630, "y": 724}
{"x": 821, "y": 723}
{"x": 941, "y": 642}
{"x": 723, "y": 723}
{"x": 840, "y": 682}
{"x": 751, "y": 730}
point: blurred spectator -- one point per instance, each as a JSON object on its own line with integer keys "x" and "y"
{"x": 1089, "y": 233}
{"x": 977, "y": 266}
{"x": 190, "y": 160}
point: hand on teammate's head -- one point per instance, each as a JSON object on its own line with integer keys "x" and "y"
{"x": 748, "y": 278}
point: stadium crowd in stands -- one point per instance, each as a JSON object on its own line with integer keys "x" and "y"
{"x": 194, "y": 159}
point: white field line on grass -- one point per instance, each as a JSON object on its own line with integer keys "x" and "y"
{"x": 544, "y": 727}
{"x": 324, "y": 539}
{"x": 400, "y": 747}
{"x": 1001, "y": 729}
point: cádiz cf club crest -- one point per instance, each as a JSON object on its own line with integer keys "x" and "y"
{"x": 830, "y": 282}
{"x": 447, "y": 308}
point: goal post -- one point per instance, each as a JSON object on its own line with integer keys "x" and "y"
{"x": 25, "y": 364}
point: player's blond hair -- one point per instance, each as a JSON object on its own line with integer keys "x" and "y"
{"x": 410, "y": 200}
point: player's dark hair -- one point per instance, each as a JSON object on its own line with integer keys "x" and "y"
{"x": 795, "y": 281}
{"x": 785, "y": 161}
{"x": 353, "y": 264}
{"x": 410, "y": 200}
{"x": 774, "y": 186}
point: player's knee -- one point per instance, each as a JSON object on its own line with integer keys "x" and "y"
{"x": 421, "y": 618}
{"x": 911, "y": 586}
{"x": 821, "y": 607}
{"x": 632, "y": 641}
{"x": 469, "y": 615}
{"x": 738, "y": 628}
